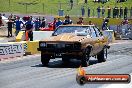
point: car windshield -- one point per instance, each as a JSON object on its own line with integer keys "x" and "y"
{"x": 84, "y": 30}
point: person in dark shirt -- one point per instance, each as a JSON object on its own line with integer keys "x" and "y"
{"x": 131, "y": 12}
{"x": 103, "y": 11}
{"x": 109, "y": 12}
{"x": 90, "y": 23}
{"x": 121, "y": 12}
{"x": 117, "y": 12}
{"x": 88, "y": 12}
{"x": 67, "y": 20}
{"x": 98, "y": 11}
{"x": 125, "y": 12}
{"x": 59, "y": 22}
{"x": 37, "y": 24}
{"x": 80, "y": 21}
{"x": 1, "y": 23}
{"x": 71, "y": 2}
{"x": 83, "y": 11}
{"x": 9, "y": 26}
{"x": 29, "y": 31}
{"x": 43, "y": 22}
{"x": 85, "y": 1}
{"x": 54, "y": 23}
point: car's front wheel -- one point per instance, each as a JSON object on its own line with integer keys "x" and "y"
{"x": 85, "y": 57}
{"x": 45, "y": 59}
{"x": 102, "y": 56}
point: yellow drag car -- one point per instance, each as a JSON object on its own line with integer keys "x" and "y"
{"x": 74, "y": 42}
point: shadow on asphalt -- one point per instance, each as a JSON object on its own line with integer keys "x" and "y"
{"x": 60, "y": 64}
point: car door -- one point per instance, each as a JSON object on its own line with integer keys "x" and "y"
{"x": 100, "y": 39}
{"x": 95, "y": 40}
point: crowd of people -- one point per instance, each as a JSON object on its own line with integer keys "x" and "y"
{"x": 29, "y": 24}
{"x": 116, "y": 12}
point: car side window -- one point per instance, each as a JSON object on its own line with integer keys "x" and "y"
{"x": 93, "y": 32}
{"x": 97, "y": 32}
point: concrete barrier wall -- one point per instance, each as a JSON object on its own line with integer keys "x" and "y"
{"x": 32, "y": 47}
{"x": 18, "y": 49}
{"x": 40, "y": 35}
{"x": 20, "y": 36}
{"x": 37, "y": 35}
{"x": 110, "y": 35}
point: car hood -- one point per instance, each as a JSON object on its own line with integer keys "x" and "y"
{"x": 69, "y": 37}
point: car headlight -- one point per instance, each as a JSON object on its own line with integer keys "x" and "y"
{"x": 43, "y": 44}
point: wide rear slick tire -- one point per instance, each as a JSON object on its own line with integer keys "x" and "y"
{"x": 102, "y": 56}
{"x": 45, "y": 59}
{"x": 85, "y": 57}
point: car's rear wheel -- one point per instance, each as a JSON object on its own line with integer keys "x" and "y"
{"x": 45, "y": 59}
{"x": 102, "y": 56}
{"x": 85, "y": 57}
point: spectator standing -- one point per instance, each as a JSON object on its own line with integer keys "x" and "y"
{"x": 80, "y": 21}
{"x": 88, "y": 12}
{"x": 1, "y": 23}
{"x": 18, "y": 25}
{"x": 98, "y": 11}
{"x": 67, "y": 20}
{"x": 54, "y": 23}
{"x": 37, "y": 24}
{"x": 85, "y": 1}
{"x": 103, "y": 11}
{"x": 109, "y": 12}
{"x": 29, "y": 30}
{"x": 121, "y": 12}
{"x": 90, "y": 23}
{"x": 114, "y": 12}
{"x": 83, "y": 11}
{"x": 9, "y": 26}
{"x": 0, "y": 16}
{"x": 131, "y": 13}
{"x": 117, "y": 12}
{"x": 43, "y": 22}
{"x": 105, "y": 23}
{"x": 71, "y": 2}
{"x": 59, "y": 22}
{"x": 125, "y": 12}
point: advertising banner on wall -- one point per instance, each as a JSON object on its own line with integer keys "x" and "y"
{"x": 11, "y": 50}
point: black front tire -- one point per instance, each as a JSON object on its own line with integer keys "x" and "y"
{"x": 102, "y": 56}
{"x": 85, "y": 57}
{"x": 45, "y": 59}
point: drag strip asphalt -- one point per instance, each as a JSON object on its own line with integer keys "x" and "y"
{"x": 29, "y": 72}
